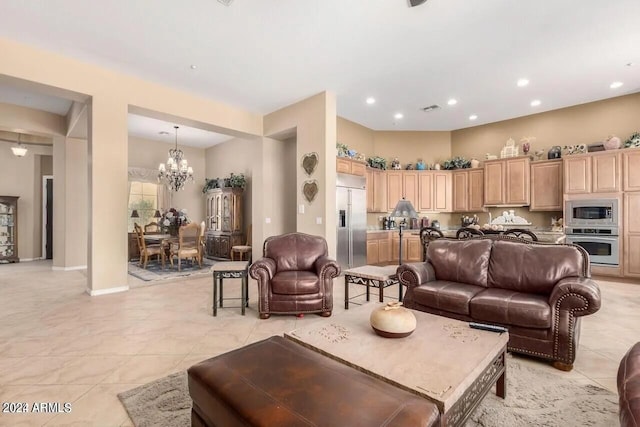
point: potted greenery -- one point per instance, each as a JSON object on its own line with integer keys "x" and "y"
{"x": 237, "y": 181}
{"x": 377, "y": 162}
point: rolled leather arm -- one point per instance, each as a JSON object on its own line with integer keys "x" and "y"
{"x": 416, "y": 274}
{"x": 263, "y": 267}
{"x": 326, "y": 268}
{"x": 580, "y": 295}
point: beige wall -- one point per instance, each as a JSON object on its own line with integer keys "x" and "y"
{"x": 409, "y": 146}
{"x": 111, "y": 96}
{"x": 581, "y": 124}
{"x": 235, "y": 156}
{"x": 148, "y": 154}
{"x": 355, "y": 136}
{"x": 314, "y": 122}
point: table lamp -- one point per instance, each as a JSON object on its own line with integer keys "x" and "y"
{"x": 405, "y": 209}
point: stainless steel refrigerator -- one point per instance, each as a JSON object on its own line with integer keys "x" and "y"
{"x": 351, "y": 198}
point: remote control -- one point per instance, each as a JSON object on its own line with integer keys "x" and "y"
{"x": 487, "y": 327}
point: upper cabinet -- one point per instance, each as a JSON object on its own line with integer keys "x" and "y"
{"x": 402, "y": 184}
{"x": 353, "y": 167}
{"x": 434, "y": 191}
{"x": 592, "y": 173}
{"x": 631, "y": 166}
{"x": 546, "y": 185}
{"x": 468, "y": 190}
{"x": 507, "y": 182}
{"x": 376, "y": 190}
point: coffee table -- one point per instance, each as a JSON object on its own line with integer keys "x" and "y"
{"x": 444, "y": 360}
{"x": 371, "y": 276}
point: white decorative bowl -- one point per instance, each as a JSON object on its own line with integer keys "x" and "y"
{"x": 393, "y": 321}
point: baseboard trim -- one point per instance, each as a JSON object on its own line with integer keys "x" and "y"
{"x": 72, "y": 268}
{"x": 30, "y": 259}
{"x": 98, "y": 292}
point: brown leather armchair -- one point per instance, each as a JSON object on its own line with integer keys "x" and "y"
{"x": 295, "y": 276}
{"x": 629, "y": 387}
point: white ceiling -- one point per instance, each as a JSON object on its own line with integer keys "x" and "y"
{"x": 261, "y": 55}
{"x": 148, "y": 128}
{"x": 31, "y": 99}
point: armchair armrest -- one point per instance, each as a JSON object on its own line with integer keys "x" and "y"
{"x": 326, "y": 268}
{"x": 580, "y": 295}
{"x": 264, "y": 268}
{"x": 416, "y": 274}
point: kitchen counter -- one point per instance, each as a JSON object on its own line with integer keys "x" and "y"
{"x": 546, "y": 236}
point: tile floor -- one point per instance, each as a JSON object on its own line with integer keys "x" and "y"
{"x": 57, "y": 344}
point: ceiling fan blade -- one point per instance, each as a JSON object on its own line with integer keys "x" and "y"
{"x": 414, "y": 3}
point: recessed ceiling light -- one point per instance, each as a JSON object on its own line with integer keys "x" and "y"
{"x": 473, "y": 117}
{"x": 535, "y": 102}
{"x": 163, "y": 132}
{"x": 522, "y": 82}
{"x": 398, "y": 116}
{"x": 193, "y": 66}
{"x": 452, "y": 101}
{"x": 615, "y": 85}
{"x": 629, "y": 64}
{"x": 371, "y": 100}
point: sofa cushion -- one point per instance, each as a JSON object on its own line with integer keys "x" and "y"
{"x": 295, "y": 283}
{"x": 508, "y": 307}
{"x": 629, "y": 387}
{"x": 446, "y": 296}
{"x": 463, "y": 261}
{"x": 532, "y": 268}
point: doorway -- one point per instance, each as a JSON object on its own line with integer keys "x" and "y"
{"x": 47, "y": 217}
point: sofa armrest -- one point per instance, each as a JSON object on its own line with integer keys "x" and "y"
{"x": 264, "y": 268}
{"x": 326, "y": 268}
{"x": 580, "y": 295}
{"x": 415, "y": 274}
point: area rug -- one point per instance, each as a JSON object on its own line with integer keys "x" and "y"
{"x": 154, "y": 270}
{"x": 534, "y": 398}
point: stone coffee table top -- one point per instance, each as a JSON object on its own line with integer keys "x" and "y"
{"x": 439, "y": 361}
{"x": 373, "y": 272}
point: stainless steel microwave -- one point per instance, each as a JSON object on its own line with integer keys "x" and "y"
{"x": 594, "y": 212}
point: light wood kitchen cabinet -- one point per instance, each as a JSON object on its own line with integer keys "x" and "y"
{"x": 592, "y": 173}
{"x": 631, "y": 170}
{"x": 402, "y": 184}
{"x": 411, "y": 249}
{"x": 631, "y": 244}
{"x": 378, "y": 248}
{"x": 352, "y": 167}
{"x": 468, "y": 190}
{"x": 507, "y": 182}
{"x": 376, "y": 190}
{"x": 546, "y": 185}
{"x": 434, "y": 191}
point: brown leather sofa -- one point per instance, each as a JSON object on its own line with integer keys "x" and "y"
{"x": 538, "y": 291}
{"x": 276, "y": 382}
{"x": 295, "y": 276}
{"x": 629, "y": 387}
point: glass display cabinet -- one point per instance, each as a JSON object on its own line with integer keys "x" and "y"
{"x": 9, "y": 229}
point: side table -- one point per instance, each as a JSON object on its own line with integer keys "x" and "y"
{"x": 371, "y": 276}
{"x": 230, "y": 270}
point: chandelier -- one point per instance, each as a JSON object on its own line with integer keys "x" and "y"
{"x": 19, "y": 150}
{"x": 177, "y": 172}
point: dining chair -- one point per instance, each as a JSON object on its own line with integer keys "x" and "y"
{"x": 189, "y": 246}
{"x": 428, "y": 234}
{"x": 243, "y": 249}
{"x": 147, "y": 251}
{"x": 521, "y": 233}
{"x": 468, "y": 233}
{"x": 152, "y": 227}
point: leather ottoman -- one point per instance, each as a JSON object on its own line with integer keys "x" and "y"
{"x": 276, "y": 382}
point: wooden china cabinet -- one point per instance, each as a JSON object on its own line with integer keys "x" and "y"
{"x": 9, "y": 229}
{"x": 223, "y": 221}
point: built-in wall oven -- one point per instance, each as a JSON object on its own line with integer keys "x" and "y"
{"x": 602, "y": 243}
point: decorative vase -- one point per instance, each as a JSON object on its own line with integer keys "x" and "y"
{"x": 612, "y": 143}
{"x": 393, "y": 321}
{"x": 475, "y": 163}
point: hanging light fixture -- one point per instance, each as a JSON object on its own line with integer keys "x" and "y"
{"x": 177, "y": 171}
{"x": 19, "y": 150}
